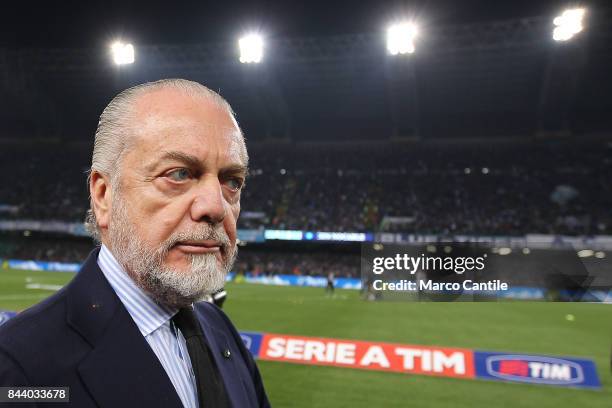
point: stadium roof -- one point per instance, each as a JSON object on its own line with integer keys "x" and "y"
{"x": 477, "y": 71}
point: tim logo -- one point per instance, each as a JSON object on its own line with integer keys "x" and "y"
{"x": 247, "y": 340}
{"x": 534, "y": 369}
{"x": 252, "y": 341}
{"x": 5, "y": 316}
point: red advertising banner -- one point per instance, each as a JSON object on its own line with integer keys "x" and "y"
{"x": 404, "y": 358}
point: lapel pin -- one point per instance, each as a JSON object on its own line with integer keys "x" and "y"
{"x": 227, "y": 353}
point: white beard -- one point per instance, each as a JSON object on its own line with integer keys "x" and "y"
{"x": 145, "y": 265}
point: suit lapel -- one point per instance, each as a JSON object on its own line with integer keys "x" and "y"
{"x": 121, "y": 370}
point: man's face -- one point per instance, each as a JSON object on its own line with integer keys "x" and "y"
{"x": 179, "y": 196}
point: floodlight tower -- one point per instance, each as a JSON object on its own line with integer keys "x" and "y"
{"x": 568, "y": 24}
{"x": 400, "y": 38}
{"x": 251, "y": 48}
{"x": 122, "y": 53}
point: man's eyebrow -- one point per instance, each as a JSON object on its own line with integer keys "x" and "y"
{"x": 236, "y": 169}
{"x": 193, "y": 162}
{"x": 188, "y": 159}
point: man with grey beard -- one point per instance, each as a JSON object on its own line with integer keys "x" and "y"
{"x": 168, "y": 167}
{"x": 146, "y": 265}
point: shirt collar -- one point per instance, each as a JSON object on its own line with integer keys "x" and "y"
{"x": 146, "y": 313}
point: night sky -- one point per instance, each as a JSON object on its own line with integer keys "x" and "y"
{"x": 494, "y": 92}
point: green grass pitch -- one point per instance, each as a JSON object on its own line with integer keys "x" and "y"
{"x": 527, "y": 327}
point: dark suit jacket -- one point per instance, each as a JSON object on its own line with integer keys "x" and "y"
{"x": 84, "y": 338}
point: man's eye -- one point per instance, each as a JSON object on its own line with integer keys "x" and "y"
{"x": 179, "y": 175}
{"x": 234, "y": 183}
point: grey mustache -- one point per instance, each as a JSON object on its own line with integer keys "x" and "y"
{"x": 207, "y": 234}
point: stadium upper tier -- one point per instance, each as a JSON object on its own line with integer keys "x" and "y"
{"x": 500, "y": 188}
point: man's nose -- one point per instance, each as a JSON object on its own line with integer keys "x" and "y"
{"x": 208, "y": 205}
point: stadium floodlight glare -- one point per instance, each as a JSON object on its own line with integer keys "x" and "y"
{"x": 568, "y": 24}
{"x": 400, "y": 38}
{"x": 122, "y": 53}
{"x": 251, "y": 48}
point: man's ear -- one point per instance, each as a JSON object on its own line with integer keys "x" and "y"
{"x": 101, "y": 197}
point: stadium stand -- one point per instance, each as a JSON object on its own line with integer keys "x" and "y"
{"x": 495, "y": 188}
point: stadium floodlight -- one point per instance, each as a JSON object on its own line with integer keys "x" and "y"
{"x": 122, "y": 53}
{"x": 251, "y": 48}
{"x": 568, "y": 24}
{"x": 400, "y": 38}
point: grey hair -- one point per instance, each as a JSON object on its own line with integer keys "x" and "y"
{"x": 112, "y": 139}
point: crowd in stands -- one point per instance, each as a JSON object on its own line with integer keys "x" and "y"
{"x": 496, "y": 189}
{"x": 492, "y": 189}
{"x": 251, "y": 261}
{"x": 265, "y": 262}
{"x": 52, "y": 249}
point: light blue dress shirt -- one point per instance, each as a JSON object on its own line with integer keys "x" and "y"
{"x": 155, "y": 324}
